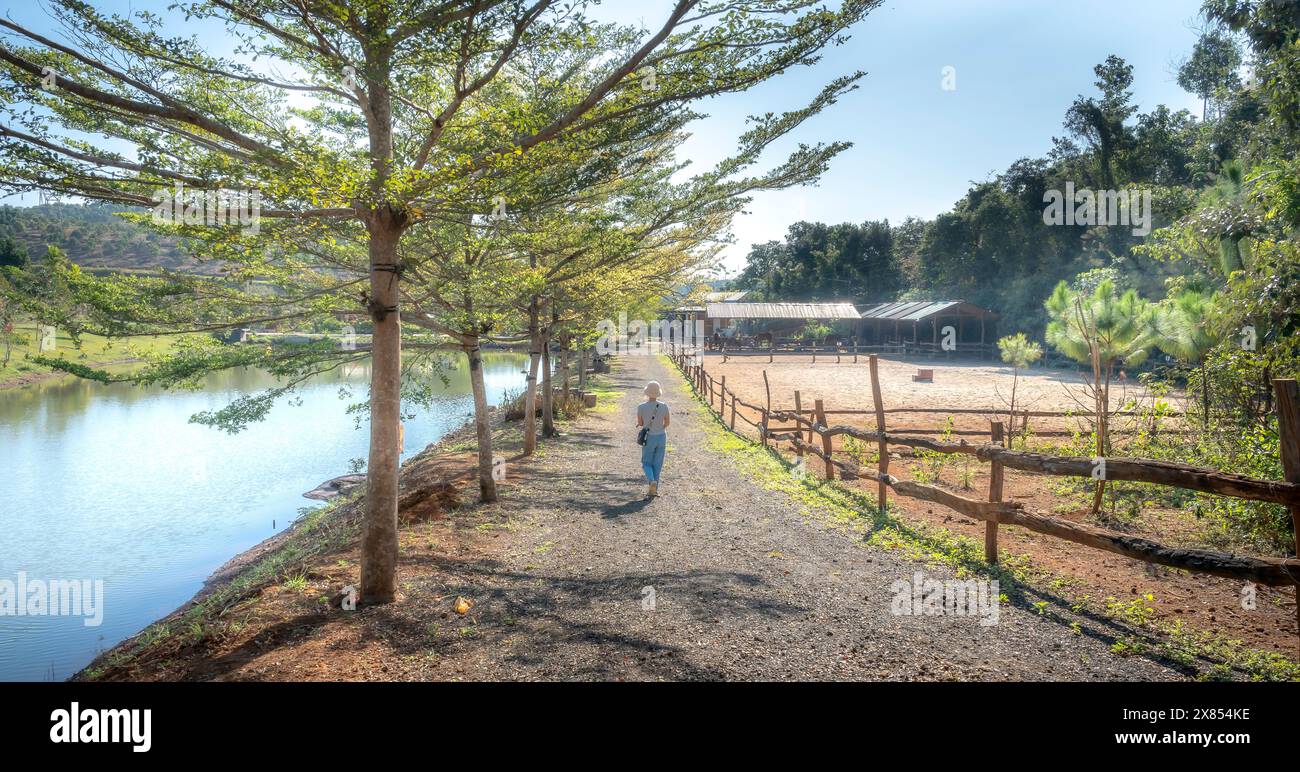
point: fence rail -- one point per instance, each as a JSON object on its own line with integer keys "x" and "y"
{"x": 810, "y": 432}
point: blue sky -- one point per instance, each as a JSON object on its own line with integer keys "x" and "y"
{"x": 917, "y": 147}
{"x": 1019, "y": 64}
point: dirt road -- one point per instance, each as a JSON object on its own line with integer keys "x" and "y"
{"x": 744, "y": 584}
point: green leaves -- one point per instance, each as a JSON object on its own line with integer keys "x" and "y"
{"x": 1184, "y": 324}
{"x": 1018, "y": 351}
{"x": 1117, "y": 327}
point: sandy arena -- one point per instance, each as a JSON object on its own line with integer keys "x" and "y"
{"x": 963, "y": 385}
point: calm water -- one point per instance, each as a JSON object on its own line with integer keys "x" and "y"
{"x": 112, "y": 483}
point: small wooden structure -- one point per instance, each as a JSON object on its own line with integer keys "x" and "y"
{"x": 923, "y": 375}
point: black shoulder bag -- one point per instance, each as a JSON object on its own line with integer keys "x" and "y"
{"x": 645, "y": 430}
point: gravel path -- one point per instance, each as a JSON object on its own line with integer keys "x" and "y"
{"x": 745, "y": 588}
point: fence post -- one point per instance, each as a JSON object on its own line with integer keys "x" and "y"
{"x": 798, "y": 427}
{"x": 826, "y": 438}
{"x": 767, "y": 389}
{"x": 798, "y": 410}
{"x": 763, "y": 429}
{"x": 733, "y": 411}
{"x": 1288, "y": 440}
{"x": 883, "y": 446}
{"x": 995, "y": 495}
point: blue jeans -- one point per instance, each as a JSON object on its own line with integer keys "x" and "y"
{"x": 652, "y": 455}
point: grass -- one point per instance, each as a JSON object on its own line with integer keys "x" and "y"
{"x": 113, "y": 355}
{"x": 1043, "y": 592}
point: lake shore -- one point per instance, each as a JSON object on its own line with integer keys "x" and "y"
{"x": 430, "y": 474}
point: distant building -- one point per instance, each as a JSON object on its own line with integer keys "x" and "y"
{"x": 922, "y": 322}
{"x": 736, "y": 317}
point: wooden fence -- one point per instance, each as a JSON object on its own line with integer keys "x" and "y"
{"x": 809, "y": 431}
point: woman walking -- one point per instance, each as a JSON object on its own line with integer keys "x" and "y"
{"x": 652, "y": 416}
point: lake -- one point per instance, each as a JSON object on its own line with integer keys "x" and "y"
{"x": 111, "y": 483}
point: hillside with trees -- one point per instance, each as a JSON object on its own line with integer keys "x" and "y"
{"x": 93, "y": 236}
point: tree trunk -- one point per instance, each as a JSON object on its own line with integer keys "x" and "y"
{"x": 379, "y": 539}
{"x": 487, "y": 486}
{"x": 1205, "y": 396}
{"x": 548, "y": 401}
{"x": 1011, "y": 419}
{"x": 564, "y": 377}
{"x": 530, "y": 396}
{"x": 1099, "y": 426}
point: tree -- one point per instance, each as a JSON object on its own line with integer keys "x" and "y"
{"x": 12, "y": 253}
{"x": 1019, "y": 352}
{"x": 1185, "y": 332}
{"x": 826, "y": 262}
{"x": 407, "y": 121}
{"x": 1101, "y": 328}
{"x": 1212, "y": 67}
{"x": 1101, "y": 121}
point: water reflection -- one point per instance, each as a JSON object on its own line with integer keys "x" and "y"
{"x": 112, "y": 482}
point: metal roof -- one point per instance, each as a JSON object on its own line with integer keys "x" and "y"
{"x": 920, "y": 310}
{"x": 781, "y": 311}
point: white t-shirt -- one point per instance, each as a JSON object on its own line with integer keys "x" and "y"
{"x": 652, "y": 417}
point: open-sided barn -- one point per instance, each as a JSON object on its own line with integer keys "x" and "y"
{"x": 921, "y": 322}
